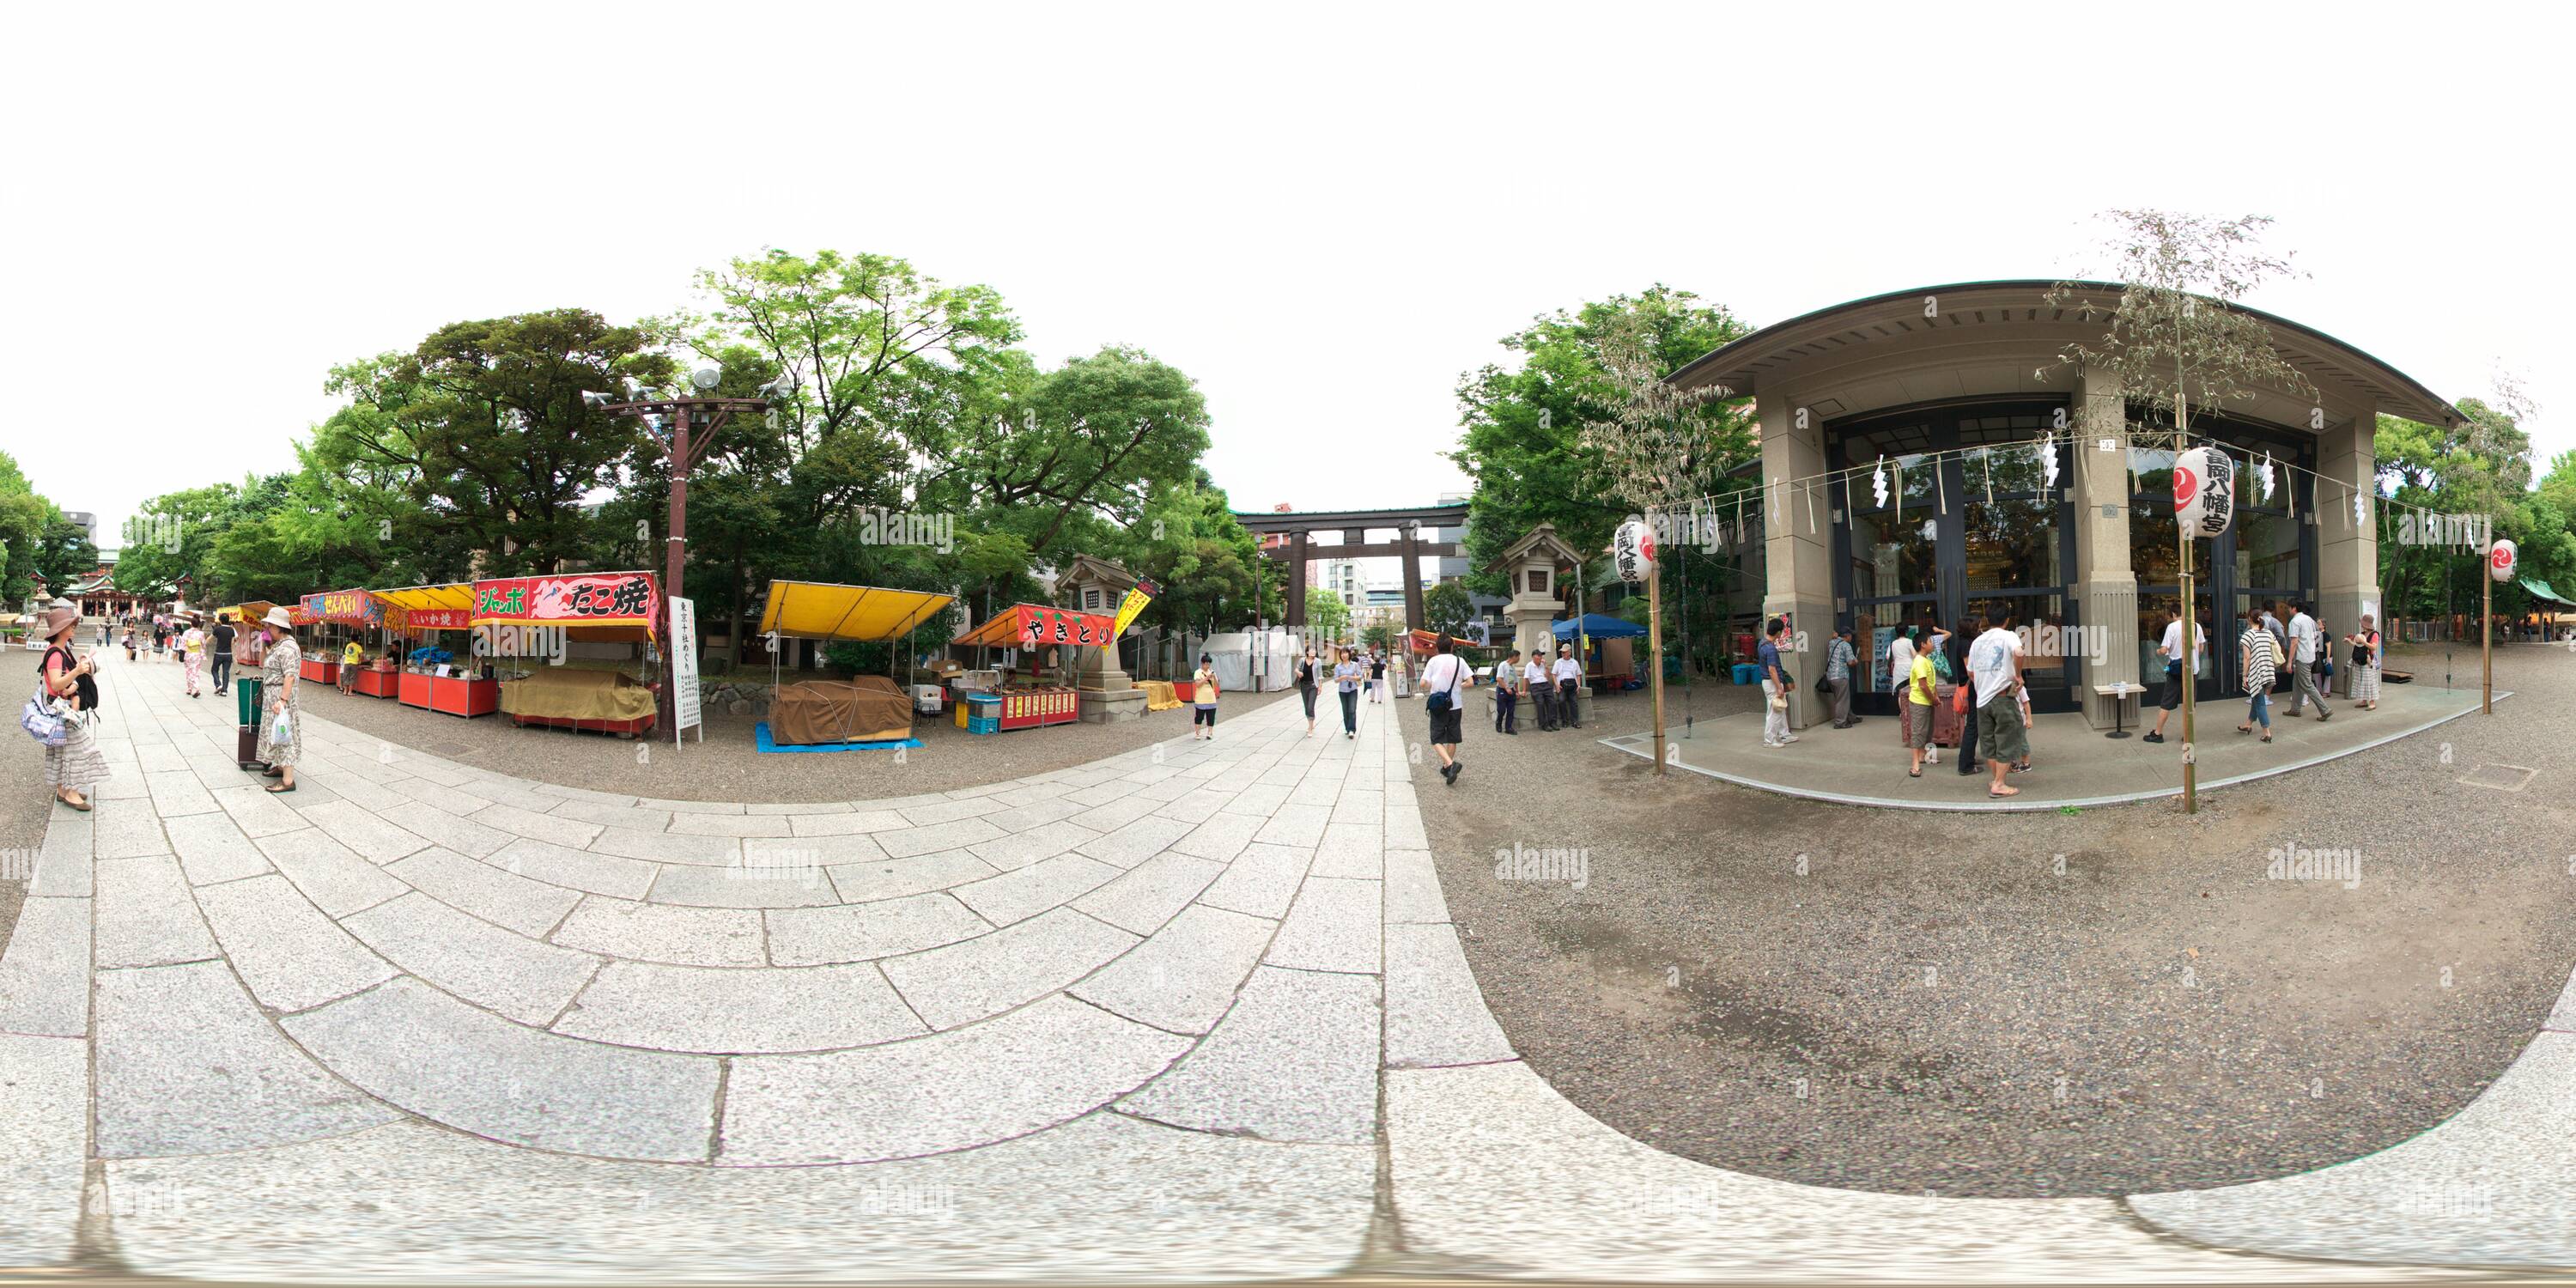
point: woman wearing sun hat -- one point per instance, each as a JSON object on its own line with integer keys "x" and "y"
{"x": 75, "y": 767}
{"x": 277, "y": 672}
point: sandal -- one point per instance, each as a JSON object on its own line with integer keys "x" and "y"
{"x": 1999, "y": 793}
{"x": 1914, "y": 773}
{"x": 281, "y": 789}
{"x": 81, "y": 804}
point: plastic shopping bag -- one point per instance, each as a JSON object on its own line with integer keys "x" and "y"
{"x": 281, "y": 730}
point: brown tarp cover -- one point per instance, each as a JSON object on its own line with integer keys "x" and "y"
{"x": 564, "y": 694}
{"x": 869, "y": 708}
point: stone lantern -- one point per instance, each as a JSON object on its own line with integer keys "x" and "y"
{"x": 1535, "y": 568}
{"x": 1103, "y": 693}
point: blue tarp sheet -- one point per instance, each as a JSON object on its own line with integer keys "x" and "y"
{"x": 1599, "y": 627}
{"x": 760, "y": 741}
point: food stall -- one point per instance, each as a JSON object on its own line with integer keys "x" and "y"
{"x": 354, "y": 611}
{"x": 865, "y": 710}
{"x": 1042, "y": 631}
{"x": 530, "y": 618}
{"x": 431, "y": 678}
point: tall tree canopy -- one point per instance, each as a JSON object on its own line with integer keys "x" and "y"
{"x": 1524, "y": 423}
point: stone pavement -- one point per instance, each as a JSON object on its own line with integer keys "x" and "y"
{"x": 2073, "y": 763}
{"x": 1194, "y": 1011}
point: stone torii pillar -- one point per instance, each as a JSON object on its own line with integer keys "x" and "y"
{"x": 1297, "y": 580}
{"x": 1413, "y": 619}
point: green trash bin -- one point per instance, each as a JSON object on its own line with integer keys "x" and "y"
{"x": 246, "y": 700}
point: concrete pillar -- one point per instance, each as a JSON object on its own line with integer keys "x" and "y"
{"x": 2106, "y": 585}
{"x": 1799, "y": 562}
{"x": 2348, "y": 544}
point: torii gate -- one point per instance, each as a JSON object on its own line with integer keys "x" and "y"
{"x": 1354, "y": 526}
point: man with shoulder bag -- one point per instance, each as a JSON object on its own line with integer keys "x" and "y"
{"x": 1445, "y": 682}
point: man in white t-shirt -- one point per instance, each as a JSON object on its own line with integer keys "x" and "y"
{"x": 1569, "y": 687}
{"x": 2304, "y": 637}
{"x": 1994, "y": 663}
{"x": 1542, "y": 690}
{"x": 2178, "y": 670}
{"x": 1445, "y": 681}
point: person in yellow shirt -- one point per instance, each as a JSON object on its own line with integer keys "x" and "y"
{"x": 351, "y": 658}
{"x": 1918, "y": 691}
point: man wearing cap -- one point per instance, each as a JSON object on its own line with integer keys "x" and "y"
{"x": 1569, "y": 687}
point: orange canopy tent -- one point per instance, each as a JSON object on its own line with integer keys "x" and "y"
{"x": 1036, "y": 625}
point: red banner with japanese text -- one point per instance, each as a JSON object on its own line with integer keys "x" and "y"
{"x": 626, "y": 599}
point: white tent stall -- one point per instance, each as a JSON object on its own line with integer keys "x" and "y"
{"x": 1251, "y": 661}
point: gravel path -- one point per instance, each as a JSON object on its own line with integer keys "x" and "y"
{"x": 1915, "y": 1003}
{"x": 727, "y": 767}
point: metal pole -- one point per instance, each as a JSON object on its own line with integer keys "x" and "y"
{"x": 2486, "y": 624}
{"x": 674, "y": 548}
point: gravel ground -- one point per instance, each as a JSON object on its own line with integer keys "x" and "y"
{"x": 24, "y": 806}
{"x": 1920, "y": 1002}
{"x": 727, "y": 768}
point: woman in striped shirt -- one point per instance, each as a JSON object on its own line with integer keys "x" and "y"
{"x": 2261, "y": 659}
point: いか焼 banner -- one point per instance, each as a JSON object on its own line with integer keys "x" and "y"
{"x": 430, "y": 619}
{"x": 630, "y": 599}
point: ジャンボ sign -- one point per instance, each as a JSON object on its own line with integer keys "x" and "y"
{"x": 579, "y": 599}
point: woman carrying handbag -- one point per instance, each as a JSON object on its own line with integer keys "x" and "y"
{"x": 66, "y": 690}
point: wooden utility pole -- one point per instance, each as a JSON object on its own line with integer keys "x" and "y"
{"x": 2486, "y": 624}
{"x": 2190, "y": 616}
{"x": 1655, "y": 646}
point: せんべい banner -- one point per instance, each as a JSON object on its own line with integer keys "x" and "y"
{"x": 346, "y": 607}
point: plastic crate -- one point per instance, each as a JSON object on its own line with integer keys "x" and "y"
{"x": 983, "y": 724}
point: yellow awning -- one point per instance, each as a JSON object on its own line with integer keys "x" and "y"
{"x": 458, "y": 595}
{"x": 814, "y": 610}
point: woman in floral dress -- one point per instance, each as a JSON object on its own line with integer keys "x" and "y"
{"x": 278, "y": 672}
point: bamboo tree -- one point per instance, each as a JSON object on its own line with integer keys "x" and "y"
{"x": 2172, "y": 335}
{"x": 1656, "y": 453}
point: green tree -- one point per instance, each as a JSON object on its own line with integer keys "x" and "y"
{"x": 1095, "y": 439}
{"x": 1523, "y": 440}
{"x": 1327, "y": 617}
{"x": 483, "y": 426}
{"x": 65, "y": 553}
{"x": 1380, "y": 634}
{"x": 1448, "y": 608}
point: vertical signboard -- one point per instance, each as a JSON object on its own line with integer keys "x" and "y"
{"x": 684, "y": 669}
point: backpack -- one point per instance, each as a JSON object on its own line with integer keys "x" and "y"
{"x": 85, "y": 692}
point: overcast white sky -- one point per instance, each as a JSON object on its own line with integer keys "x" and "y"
{"x": 1323, "y": 213}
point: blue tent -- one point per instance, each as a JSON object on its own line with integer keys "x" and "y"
{"x": 1599, "y": 628}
